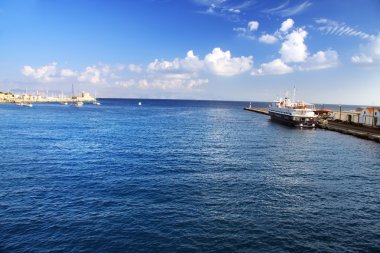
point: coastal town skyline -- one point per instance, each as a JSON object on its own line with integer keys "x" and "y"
{"x": 195, "y": 49}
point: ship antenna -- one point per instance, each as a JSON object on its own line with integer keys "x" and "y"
{"x": 294, "y": 93}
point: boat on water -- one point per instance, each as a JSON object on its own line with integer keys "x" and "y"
{"x": 78, "y": 104}
{"x": 96, "y": 102}
{"x": 297, "y": 114}
{"x": 25, "y": 104}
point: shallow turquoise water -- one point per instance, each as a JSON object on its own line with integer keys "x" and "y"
{"x": 188, "y": 176}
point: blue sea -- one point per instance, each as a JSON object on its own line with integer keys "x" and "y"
{"x": 181, "y": 176}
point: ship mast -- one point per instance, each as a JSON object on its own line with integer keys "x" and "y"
{"x": 294, "y": 93}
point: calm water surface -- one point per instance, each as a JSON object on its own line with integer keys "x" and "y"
{"x": 181, "y": 176}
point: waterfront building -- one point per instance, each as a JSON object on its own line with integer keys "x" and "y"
{"x": 6, "y": 96}
{"x": 369, "y": 116}
{"x": 366, "y": 116}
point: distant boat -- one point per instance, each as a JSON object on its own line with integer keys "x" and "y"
{"x": 64, "y": 103}
{"x": 140, "y": 103}
{"x": 25, "y": 104}
{"x": 96, "y": 102}
{"x": 78, "y": 104}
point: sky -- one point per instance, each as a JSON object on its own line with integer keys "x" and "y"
{"x": 241, "y": 50}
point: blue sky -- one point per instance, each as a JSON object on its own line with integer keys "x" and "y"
{"x": 194, "y": 49}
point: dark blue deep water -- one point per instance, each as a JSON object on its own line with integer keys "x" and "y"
{"x": 181, "y": 176}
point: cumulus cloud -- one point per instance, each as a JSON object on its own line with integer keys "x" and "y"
{"x": 286, "y": 25}
{"x": 47, "y": 73}
{"x": 191, "y": 63}
{"x": 268, "y": 39}
{"x": 184, "y": 73}
{"x": 248, "y": 31}
{"x": 294, "y": 53}
{"x": 93, "y": 74}
{"x": 293, "y": 49}
{"x": 100, "y": 73}
{"x": 279, "y": 34}
{"x": 217, "y": 62}
{"x": 320, "y": 60}
{"x": 135, "y": 68}
{"x": 275, "y": 67}
{"x": 221, "y": 63}
{"x": 68, "y": 73}
{"x": 253, "y": 25}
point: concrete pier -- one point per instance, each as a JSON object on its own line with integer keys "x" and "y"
{"x": 258, "y": 110}
{"x": 362, "y": 132}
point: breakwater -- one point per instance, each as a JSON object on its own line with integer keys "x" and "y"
{"x": 357, "y": 131}
{"x": 258, "y": 110}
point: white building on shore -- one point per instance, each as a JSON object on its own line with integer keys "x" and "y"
{"x": 367, "y": 116}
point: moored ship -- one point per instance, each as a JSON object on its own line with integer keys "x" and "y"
{"x": 298, "y": 114}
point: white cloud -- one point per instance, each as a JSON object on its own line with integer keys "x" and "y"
{"x": 143, "y": 84}
{"x": 275, "y": 67}
{"x": 285, "y": 11}
{"x": 320, "y": 60}
{"x": 248, "y": 31}
{"x": 360, "y": 59}
{"x": 190, "y": 63}
{"x": 100, "y": 73}
{"x": 126, "y": 83}
{"x": 331, "y": 27}
{"x": 135, "y": 68}
{"x": 92, "y": 74}
{"x": 268, "y": 39}
{"x": 178, "y": 82}
{"x": 221, "y": 63}
{"x": 293, "y": 49}
{"x": 47, "y": 73}
{"x": 68, "y": 73}
{"x": 369, "y": 53}
{"x": 286, "y": 25}
{"x": 217, "y": 62}
{"x": 175, "y": 83}
{"x": 236, "y": 11}
{"x": 253, "y": 25}
{"x": 178, "y": 74}
{"x": 185, "y": 73}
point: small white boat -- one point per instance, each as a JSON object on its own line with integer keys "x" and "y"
{"x": 78, "y": 104}
{"x": 64, "y": 103}
{"x": 140, "y": 103}
{"x": 25, "y": 104}
{"x": 96, "y": 103}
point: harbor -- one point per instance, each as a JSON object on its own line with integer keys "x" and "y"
{"x": 8, "y": 97}
{"x": 344, "y": 122}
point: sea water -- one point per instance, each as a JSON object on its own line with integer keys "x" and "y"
{"x": 181, "y": 176}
